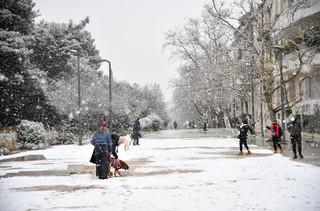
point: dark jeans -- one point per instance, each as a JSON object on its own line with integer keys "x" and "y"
{"x": 294, "y": 141}
{"x": 136, "y": 137}
{"x": 244, "y": 142}
{"x": 102, "y": 159}
{"x": 205, "y": 126}
{"x": 276, "y": 142}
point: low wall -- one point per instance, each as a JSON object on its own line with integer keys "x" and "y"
{"x": 9, "y": 137}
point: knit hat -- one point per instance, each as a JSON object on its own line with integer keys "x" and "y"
{"x": 104, "y": 124}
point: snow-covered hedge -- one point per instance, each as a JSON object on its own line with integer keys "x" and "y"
{"x": 31, "y": 135}
{"x": 151, "y": 122}
{"x": 65, "y": 137}
{"x": 4, "y": 151}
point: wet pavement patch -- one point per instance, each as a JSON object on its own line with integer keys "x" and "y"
{"x": 156, "y": 173}
{"x": 25, "y": 158}
{"x": 60, "y": 188}
{"x": 36, "y": 173}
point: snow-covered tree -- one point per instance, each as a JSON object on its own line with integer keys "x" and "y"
{"x": 202, "y": 45}
{"x": 31, "y": 135}
{"x": 20, "y": 95}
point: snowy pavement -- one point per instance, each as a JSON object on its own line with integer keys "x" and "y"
{"x": 165, "y": 174}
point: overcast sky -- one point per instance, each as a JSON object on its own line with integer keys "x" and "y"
{"x": 129, "y": 33}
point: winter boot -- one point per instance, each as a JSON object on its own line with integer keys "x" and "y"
{"x": 248, "y": 153}
{"x": 300, "y": 155}
{"x": 281, "y": 150}
{"x": 275, "y": 151}
{"x": 240, "y": 153}
{"x": 295, "y": 157}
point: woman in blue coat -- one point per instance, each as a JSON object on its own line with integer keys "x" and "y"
{"x": 102, "y": 146}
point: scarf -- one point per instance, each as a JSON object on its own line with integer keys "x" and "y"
{"x": 276, "y": 126}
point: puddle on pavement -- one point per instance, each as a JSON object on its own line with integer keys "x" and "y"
{"x": 155, "y": 173}
{"x": 43, "y": 164}
{"x": 60, "y": 188}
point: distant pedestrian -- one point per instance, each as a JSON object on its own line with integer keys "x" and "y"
{"x": 294, "y": 128}
{"x": 102, "y": 146}
{"x": 276, "y": 133}
{"x": 175, "y": 125}
{"x": 205, "y": 121}
{"x": 136, "y": 132}
{"x": 243, "y": 135}
{"x": 165, "y": 125}
{"x": 193, "y": 124}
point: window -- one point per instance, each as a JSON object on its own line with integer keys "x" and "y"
{"x": 239, "y": 54}
{"x": 290, "y": 3}
{"x": 276, "y": 7}
{"x": 292, "y": 91}
{"x": 314, "y": 87}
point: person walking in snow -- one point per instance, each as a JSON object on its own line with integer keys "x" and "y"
{"x": 276, "y": 133}
{"x": 205, "y": 121}
{"x": 165, "y": 125}
{"x": 102, "y": 146}
{"x": 175, "y": 125}
{"x": 243, "y": 135}
{"x": 136, "y": 132}
{"x": 294, "y": 128}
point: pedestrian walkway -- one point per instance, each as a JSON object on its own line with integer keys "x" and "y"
{"x": 310, "y": 148}
{"x": 196, "y": 172}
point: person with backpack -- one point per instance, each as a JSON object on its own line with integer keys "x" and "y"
{"x": 294, "y": 128}
{"x": 276, "y": 133}
{"x": 243, "y": 135}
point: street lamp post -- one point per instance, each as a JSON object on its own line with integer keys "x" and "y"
{"x": 282, "y": 91}
{"x": 110, "y": 87}
{"x": 252, "y": 93}
{"x": 75, "y": 52}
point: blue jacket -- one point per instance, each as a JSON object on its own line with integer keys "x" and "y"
{"x": 136, "y": 126}
{"x": 102, "y": 138}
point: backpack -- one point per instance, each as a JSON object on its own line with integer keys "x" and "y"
{"x": 243, "y": 132}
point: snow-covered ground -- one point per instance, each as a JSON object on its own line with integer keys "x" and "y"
{"x": 165, "y": 174}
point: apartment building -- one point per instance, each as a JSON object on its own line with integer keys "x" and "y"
{"x": 293, "y": 25}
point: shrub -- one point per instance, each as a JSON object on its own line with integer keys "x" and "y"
{"x": 151, "y": 122}
{"x": 31, "y": 135}
{"x": 4, "y": 151}
{"x": 65, "y": 137}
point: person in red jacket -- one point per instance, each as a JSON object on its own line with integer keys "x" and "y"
{"x": 276, "y": 133}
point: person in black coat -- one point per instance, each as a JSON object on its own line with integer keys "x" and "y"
{"x": 243, "y": 135}
{"x": 136, "y": 132}
{"x": 175, "y": 125}
{"x": 294, "y": 128}
{"x": 115, "y": 143}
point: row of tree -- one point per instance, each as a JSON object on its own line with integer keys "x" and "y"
{"x": 38, "y": 78}
{"x": 226, "y": 53}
